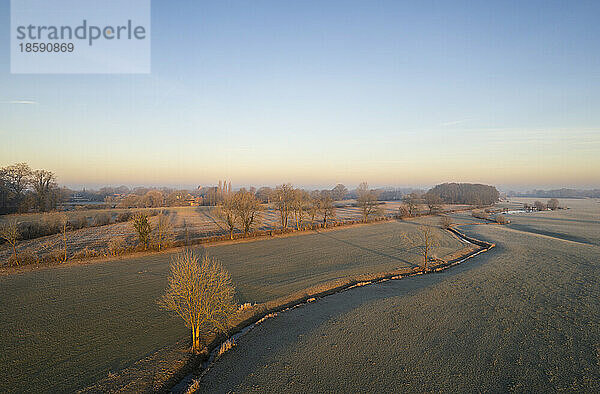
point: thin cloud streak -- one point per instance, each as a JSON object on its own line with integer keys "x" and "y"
{"x": 24, "y": 102}
{"x": 454, "y": 122}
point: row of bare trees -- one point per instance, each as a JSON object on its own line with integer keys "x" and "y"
{"x": 241, "y": 208}
{"x": 293, "y": 206}
{"x": 299, "y": 204}
{"x": 552, "y": 204}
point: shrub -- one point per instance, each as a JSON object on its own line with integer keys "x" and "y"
{"x": 227, "y": 345}
{"x": 446, "y": 222}
{"x": 501, "y": 219}
{"x": 480, "y": 215}
{"x": 116, "y": 246}
{"x": 142, "y": 228}
{"x": 124, "y": 216}
{"x": 51, "y": 223}
{"x": 78, "y": 221}
{"x": 26, "y": 257}
{"x": 47, "y": 224}
{"x": 85, "y": 253}
{"x": 102, "y": 219}
{"x": 403, "y": 211}
{"x": 55, "y": 257}
{"x": 245, "y": 306}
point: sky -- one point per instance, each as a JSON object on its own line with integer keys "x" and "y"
{"x": 320, "y": 92}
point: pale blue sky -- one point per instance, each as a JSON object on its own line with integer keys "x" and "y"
{"x": 319, "y": 92}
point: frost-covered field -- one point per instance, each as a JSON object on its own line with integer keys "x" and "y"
{"x": 64, "y": 328}
{"x": 523, "y": 317}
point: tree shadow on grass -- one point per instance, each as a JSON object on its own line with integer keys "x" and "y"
{"x": 368, "y": 250}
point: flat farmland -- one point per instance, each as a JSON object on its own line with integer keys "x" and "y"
{"x": 522, "y": 317}
{"x": 191, "y": 223}
{"x": 578, "y": 223}
{"x": 64, "y": 328}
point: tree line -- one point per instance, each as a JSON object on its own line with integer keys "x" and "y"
{"x": 464, "y": 193}
{"x": 23, "y": 189}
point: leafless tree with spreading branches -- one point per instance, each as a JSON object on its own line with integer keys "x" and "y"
{"x": 423, "y": 241}
{"x": 412, "y": 201}
{"x": 326, "y": 206}
{"x": 299, "y": 205}
{"x": 43, "y": 182}
{"x": 367, "y": 202}
{"x": 434, "y": 202}
{"x": 163, "y": 231}
{"x": 552, "y": 204}
{"x": 314, "y": 205}
{"x": 200, "y": 291}
{"x": 247, "y": 210}
{"x": 226, "y": 212}
{"x": 283, "y": 197}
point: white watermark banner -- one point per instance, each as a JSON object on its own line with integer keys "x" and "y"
{"x": 80, "y": 36}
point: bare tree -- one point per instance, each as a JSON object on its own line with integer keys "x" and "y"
{"x": 226, "y": 212}
{"x": 553, "y": 204}
{"x": 326, "y": 206}
{"x": 283, "y": 197}
{"x": 424, "y": 240}
{"x": 403, "y": 211}
{"x": 163, "y": 230}
{"x": 411, "y": 200}
{"x": 314, "y": 205}
{"x": 9, "y": 231}
{"x": 299, "y": 205}
{"x": 43, "y": 182}
{"x": 154, "y": 199}
{"x": 446, "y": 222}
{"x": 142, "y": 228}
{"x": 434, "y": 202}
{"x": 17, "y": 178}
{"x": 264, "y": 194}
{"x": 63, "y": 219}
{"x": 338, "y": 192}
{"x": 540, "y": 206}
{"x": 367, "y": 201}
{"x": 247, "y": 209}
{"x": 200, "y": 291}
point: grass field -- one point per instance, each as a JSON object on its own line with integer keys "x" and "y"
{"x": 64, "y": 328}
{"x": 189, "y": 223}
{"x": 522, "y": 317}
